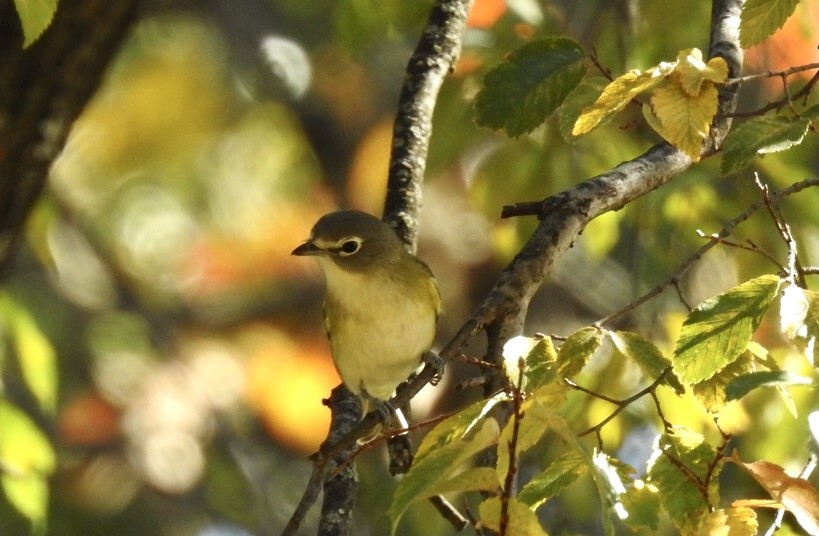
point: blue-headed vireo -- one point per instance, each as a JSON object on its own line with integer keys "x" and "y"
{"x": 381, "y": 303}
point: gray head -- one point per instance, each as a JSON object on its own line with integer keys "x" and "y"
{"x": 353, "y": 240}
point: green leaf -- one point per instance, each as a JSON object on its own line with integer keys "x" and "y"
{"x": 475, "y": 479}
{"x": 618, "y": 93}
{"x": 537, "y": 418}
{"x": 28, "y": 493}
{"x": 35, "y": 354}
{"x": 539, "y": 356}
{"x": 456, "y": 427}
{"x": 647, "y": 356}
{"x": 711, "y": 392}
{"x": 35, "y": 16}
{"x": 521, "y": 520}
{"x": 520, "y": 93}
{"x": 761, "y": 18}
{"x": 718, "y": 330}
{"x": 558, "y": 476}
{"x": 642, "y": 502}
{"x": 437, "y": 467}
{"x": 584, "y": 95}
{"x": 577, "y": 349}
{"x": 742, "y": 385}
{"x": 26, "y": 459}
{"x": 608, "y": 474}
{"x": 679, "y": 493}
{"x": 761, "y": 135}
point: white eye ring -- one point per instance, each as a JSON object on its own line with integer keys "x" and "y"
{"x": 349, "y": 246}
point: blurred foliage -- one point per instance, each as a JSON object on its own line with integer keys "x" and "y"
{"x": 160, "y": 337}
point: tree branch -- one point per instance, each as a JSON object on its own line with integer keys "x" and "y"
{"x": 433, "y": 58}
{"x": 43, "y": 89}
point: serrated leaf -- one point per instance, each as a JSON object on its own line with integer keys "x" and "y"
{"x": 35, "y": 354}
{"x": 618, "y": 93}
{"x": 797, "y": 495}
{"x": 718, "y": 330}
{"x": 742, "y": 385}
{"x": 692, "y": 71}
{"x": 576, "y": 351}
{"x": 26, "y": 459}
{"x": 439, "y": 466}
{"x": 558, "y": 476}
{"x": 761, "y": 18}
{"x": 584, "y": 95}
{"x": 456, "y": 427}
{"x": 684, "y": 120}
{"x": 734, "y": 521}
{"x": 761, "y": 135}
{"x": 679, "y": 494}
{"x": 647, "y": 356}
{"x": 712, "y": 392}
{"x": 520, "y": 93}
{"x": 35, "y": 17}
{"x": 521, "y": 520}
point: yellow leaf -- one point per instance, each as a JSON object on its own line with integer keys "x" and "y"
{"x": 619, "y": 93}
{"x": 734, "y": 521}
{"x": 521, "y": 521}
{"x": 692, "y": 71}
{"x": 683, "y": 120}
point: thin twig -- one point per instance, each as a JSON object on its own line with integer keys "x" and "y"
{"x": 714, "y": 240}
{"x": 510, "y": 482}
{"x": 772, "y": 74}
{"x": 776, "y": 105}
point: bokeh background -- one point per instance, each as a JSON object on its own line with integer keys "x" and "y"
{"x": 188, "y": 348}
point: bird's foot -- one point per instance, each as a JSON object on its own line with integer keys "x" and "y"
{"x": 382, "y": 407}
{"x": 435, "y": 361}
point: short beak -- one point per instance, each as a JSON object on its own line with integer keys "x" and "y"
{"x": 308, "y": 248}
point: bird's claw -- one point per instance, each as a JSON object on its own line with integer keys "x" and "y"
{"x": 435, "y": 361}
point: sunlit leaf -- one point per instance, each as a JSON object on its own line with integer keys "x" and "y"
{"x": 35, "y": 354}
{"x": 474, "y": 479}
{"x": 734, "y": 521}
{"x": 26, "y": 459}
{"x": 35, "y": 17}
{"x": 679, "y": 458}
{"x": 437, "y": 467}
{"x": 642, "y": 502}
{"x": 577, "y": 349}
{"x": 712, "y": 391}
{"x": 684, "y": 120}
{"x": 692, "y": 71}
{"x": 584, "y": 95}
{"x": 520, "y": 93}
{"x": 537, "y": 419}
{"x": 797, "y": 495}
{"x": 761, "y": 18}
{"x": 647, "y": 356}
{"x": 555, "y": 478}
{"x": 799, "y": 320}
{"x": 456, "y": 427}
{"x": 619, "y": 93}
{"x": 521, "y": 520}
{"x": 761, "y": 135}
{"x": 718, "y": 330}
{"x": 539, "y": 357}
{"x": 609, "y": 474}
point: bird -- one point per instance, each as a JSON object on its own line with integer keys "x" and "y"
{"x": 381, "y": 305}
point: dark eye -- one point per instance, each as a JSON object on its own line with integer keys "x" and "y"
{"x": 349, "y": 247}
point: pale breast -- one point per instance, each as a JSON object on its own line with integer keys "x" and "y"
{"x": 377, "y": 333}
